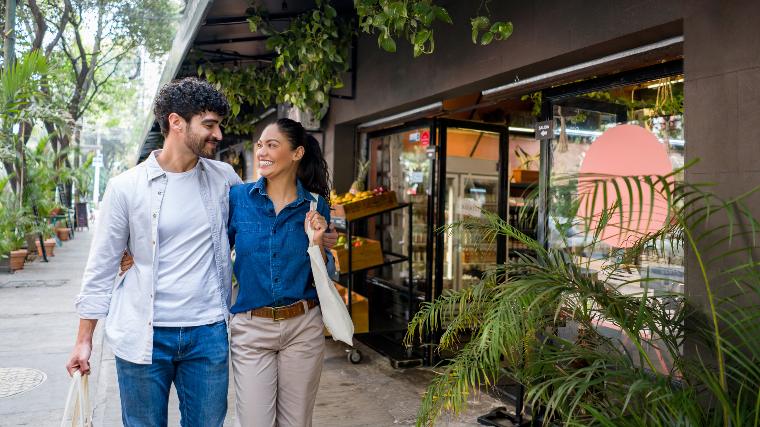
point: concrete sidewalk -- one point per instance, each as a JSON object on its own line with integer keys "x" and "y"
{"x": 38, "y": 326}
{"x": 37, "y": 330}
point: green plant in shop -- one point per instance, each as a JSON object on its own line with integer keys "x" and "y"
{"x": 674, "y": 360}
{"x": 536, "y": 99}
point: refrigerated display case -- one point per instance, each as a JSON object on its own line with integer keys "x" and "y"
{"x": 468, "y": 255}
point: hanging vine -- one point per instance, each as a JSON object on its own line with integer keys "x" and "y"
{"x": 310, "y": 56}
{"x": 498, "y": 30}
{"x": 413, "y": 20}
{"x": 312, "y": 53}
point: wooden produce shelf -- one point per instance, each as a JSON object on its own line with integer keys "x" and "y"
{"x": 369, "y": 254}
{"x": 365, "y": 207}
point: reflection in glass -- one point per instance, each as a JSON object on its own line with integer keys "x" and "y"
{"x": 656, "y": 107}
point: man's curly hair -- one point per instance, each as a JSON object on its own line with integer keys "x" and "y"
{"x": 188, "y": 97}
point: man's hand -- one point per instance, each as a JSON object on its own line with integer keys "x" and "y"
{"x": 330, "y": 238}
{"x": 80, "y": 355}
{"x": 126, "y": 263}
{"x": 80, "y": 358}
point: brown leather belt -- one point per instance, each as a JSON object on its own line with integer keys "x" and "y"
{"x": 285, "y": 312}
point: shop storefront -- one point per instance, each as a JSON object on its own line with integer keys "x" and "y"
{"x": 452, "y": 170}
{"x": 455, "y": 132}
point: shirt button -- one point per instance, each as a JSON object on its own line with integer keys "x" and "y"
{"x": 160, "y": 192}
{"x": 276, "y": 280}
{"x": 274, "y": 255}
{"x": 154, "y": 214}
{"x": 150, "y": 323}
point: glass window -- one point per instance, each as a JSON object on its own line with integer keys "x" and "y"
{"x": 399, "y": 162}
{"x": 626, "y": 131}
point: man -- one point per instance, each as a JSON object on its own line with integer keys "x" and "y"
{"x": 166, "y": 317}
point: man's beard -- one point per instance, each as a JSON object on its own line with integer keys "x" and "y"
{"x": 197, "y": 145}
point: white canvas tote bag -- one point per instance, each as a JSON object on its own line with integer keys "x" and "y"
{"x": 334, "y": 312}
{"x": 77, "y": 412}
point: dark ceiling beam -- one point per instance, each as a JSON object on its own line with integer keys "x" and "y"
{"x": 234, "y": 20}
{"x": 231, "y": 60}
{"x": 230, "y": 40}
{"x": 232, "y": 56}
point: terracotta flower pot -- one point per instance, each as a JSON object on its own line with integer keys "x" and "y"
{"x": 63, "y": 233}
{"x": 49, "y": 247}
{"x": 17, "y": 259}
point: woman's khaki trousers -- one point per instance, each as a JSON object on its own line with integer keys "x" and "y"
{"x": 276, "y": 367}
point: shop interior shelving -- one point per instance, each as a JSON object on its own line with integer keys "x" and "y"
{"x": 520, "y": 190}
{"x": 386, "y": 341}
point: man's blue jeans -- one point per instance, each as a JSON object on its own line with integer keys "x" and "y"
{"x": 195, "y": 359}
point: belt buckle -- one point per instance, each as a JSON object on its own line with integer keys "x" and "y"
{"x": 275, "y": 317}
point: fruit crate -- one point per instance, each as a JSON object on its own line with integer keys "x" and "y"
{"x": 524, "y": 176}
{"x": 368, "y": 254}
{"x": 365, "y": 207}
{"x": 359, "y": 309}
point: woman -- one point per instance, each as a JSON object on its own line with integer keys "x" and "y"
{"x": 276, "y": 333}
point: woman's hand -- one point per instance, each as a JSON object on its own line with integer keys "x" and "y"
{"x": 126, "y": 263}
{"x": 318, "y": 224}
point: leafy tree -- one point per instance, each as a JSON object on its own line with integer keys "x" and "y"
{"x": 94, "y": 43}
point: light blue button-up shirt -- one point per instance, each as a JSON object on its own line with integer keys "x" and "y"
{"x": 128, "y": 217}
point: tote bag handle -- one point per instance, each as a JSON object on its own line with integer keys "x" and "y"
{"x": 78, "y": 400}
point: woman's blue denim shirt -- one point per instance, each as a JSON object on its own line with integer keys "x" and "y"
{"x": 272, "y": 266}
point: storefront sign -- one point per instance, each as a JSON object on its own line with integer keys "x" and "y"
{"x": 425, "y": 138}
{"x": 545, "y": 130}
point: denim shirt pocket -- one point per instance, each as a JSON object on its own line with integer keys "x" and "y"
{"x": 252, "y": 237}
{"x": 298, "y": 240}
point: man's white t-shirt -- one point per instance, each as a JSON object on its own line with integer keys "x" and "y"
{"x": 187, "y": 290}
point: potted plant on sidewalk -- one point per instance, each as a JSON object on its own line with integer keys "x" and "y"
{"x": 13, "y": 221}
{"x": 47, "y": 233}
{"x": 540, "y": 320}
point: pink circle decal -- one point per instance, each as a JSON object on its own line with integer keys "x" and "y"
{"x": 624, "y": 151}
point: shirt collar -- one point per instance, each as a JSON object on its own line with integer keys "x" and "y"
{"x": 302, "y": 193}
{"x": 155, "y": 170}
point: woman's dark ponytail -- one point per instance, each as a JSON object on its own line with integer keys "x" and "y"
{"x": 312, "y": 170}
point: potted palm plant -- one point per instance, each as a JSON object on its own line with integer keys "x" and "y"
{"x": 49, "y": 242}
{"x": 543, "y": 321}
